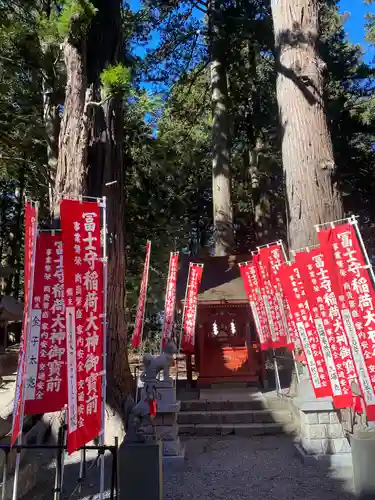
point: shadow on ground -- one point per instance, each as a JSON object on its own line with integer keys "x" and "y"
{"x": 219, "y": 467}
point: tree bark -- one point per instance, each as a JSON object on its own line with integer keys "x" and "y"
{"x": 221, "y": 171}
{"x": 13, "y": 283}
{"x": 308, "y": 161}
{"x": 105, "y": 47}
{"x": 51, "y": 117}
{"x": 259, "y": 195}
{"x": 90, "y": 156}
{"x": 72, "y": 165}
{"x": 106, "y": 153}
{"x": 51, "y": 89}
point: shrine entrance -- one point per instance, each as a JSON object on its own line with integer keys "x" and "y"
{"x": 226, "y": 348}
{"x": 226, "y": 344}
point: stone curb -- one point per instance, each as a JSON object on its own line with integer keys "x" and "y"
{"x": 338, "y": 460}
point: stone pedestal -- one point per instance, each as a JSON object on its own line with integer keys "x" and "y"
{"x": 321, "y": 434}
{"x": 165, "y": 425}
{"x": 141, "y": 471}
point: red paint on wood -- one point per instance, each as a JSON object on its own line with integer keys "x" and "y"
{"x": 225, "y": 351}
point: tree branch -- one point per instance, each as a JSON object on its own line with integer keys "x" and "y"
{"x": 95, "y": 104}
{"x": 196, "y": 6}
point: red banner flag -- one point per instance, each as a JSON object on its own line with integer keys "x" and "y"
{"x": 46, "y": 389}
{"x": 354, "y": 289}
{"x": 29, "y": 256}
{"x": 251, "y": 284}
{"x": 190, "y": 307}
{"x": 328, "y": 323}
{"x": 274, "y": 316}
{"x": 170, "y": 299}
{"x": 272, "y": 258}
{"x": 139, "y": 319}
{"x": 84, "y": 295}
{"x": 295, "y": 294}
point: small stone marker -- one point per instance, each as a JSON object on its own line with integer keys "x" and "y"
{"x": 141, "y": 471}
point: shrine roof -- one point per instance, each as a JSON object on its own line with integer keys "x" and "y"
{"x": 221, "y": 279}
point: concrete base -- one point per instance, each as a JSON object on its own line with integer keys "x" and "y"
{"x": 320, "y": 430}
{"x": 175, "y": 460}
{"x": 337, "y": 461}
{"x": 141, "y": 471}
{"x": 363, "y": 450}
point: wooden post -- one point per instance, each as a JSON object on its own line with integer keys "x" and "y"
{"x": 189, "y": 370}
{"x": 201, "y": 340}
{"x": 263, "y": 371}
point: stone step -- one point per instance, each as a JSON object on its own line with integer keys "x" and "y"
{"x": 231, "y": 394}
{"x": 234, "y": 417}
{"x": 235, "y": 429}
{"x": 228, "y": 385}
{"x": 204, "y": 405}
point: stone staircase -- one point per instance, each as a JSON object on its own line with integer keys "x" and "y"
{"x": 245, "y": 416}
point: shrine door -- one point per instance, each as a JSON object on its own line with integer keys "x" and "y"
{"x": 226, "y": 346}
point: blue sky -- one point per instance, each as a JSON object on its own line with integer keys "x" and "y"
{"x": 355, "y": 25}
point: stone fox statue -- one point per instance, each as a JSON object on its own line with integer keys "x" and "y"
{"x": 145, "y": 409}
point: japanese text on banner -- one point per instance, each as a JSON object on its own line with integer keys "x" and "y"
{"x": 274, "y": 316}
{"x": 170, "y": 299}
{"x": 139, "y": 319}
{"x": 295, "y": 294}
{"x": 30, "y": 247}
{"x": 46, "y": 389}
{"x": 272, "y": 258}
{"x": 190, "y": 308}
{"x": 83, "y": 283}
{"x": 356, "y": 298}
{"x": 326, "y": 315}
{"x": 251, "y": 284}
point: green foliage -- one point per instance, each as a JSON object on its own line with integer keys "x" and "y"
{"x": 116, "y": 80}
{"x": 75, "y": 17}
{"x": 22, "y": 133}
{"x": 48, "y": 26}
{"x": 167, "y": 146}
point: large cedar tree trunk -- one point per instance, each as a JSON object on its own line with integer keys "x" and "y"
{"x": 90, "y": 156}
{"x": 51, "y": 93}
{"x": 71, "y": 173}
{"x": 12, "y": 286}
{"x": 309, "y": 165}
{"x": 221, "y": 171}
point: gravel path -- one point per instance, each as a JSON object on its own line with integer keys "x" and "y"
{"x": 259, "y": 468}
{"x": 230, "y": 468}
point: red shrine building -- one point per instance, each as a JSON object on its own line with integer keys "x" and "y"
{"x": 226, "y": 343}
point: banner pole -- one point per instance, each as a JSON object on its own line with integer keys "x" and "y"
{"x": 166, "y": 292}
{"x": 304, "y": 249}
{"x": 147, "y": 263}
{"x": 267, "y": 245}
{"x": 174, "y": 300}
{"x": 293, "y": 354}
{"x": 16, "y": 472}
{"x": 58, "y": 474}
{"x": 5, "y": 473}
{"x": 26, "y": 354}
{"x": 195, "y": 319}
{"x": 104, "y": 373}
{"x": 354, "y": 222}
{"x": 272, "y": 330}
{"x": 345, "y": 219}
{"x": 146, "y": 287}
{"x": 277, "y": 376}
{"x": 183, "y": 313}
{"x": 64, "y": 442}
